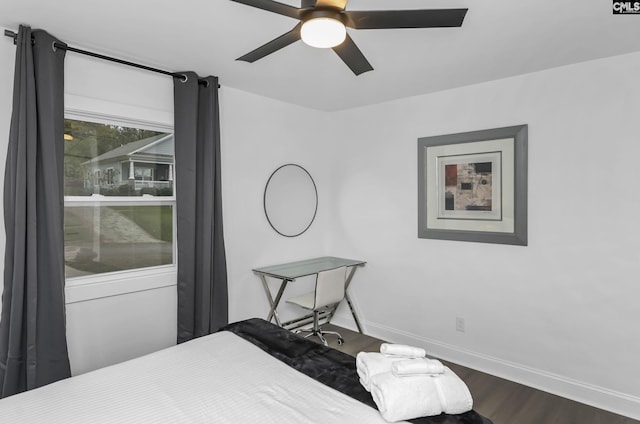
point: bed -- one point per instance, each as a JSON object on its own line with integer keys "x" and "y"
{"x": 251, "y": 371}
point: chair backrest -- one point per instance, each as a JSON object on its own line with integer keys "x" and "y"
{"x": 330, "y": 287}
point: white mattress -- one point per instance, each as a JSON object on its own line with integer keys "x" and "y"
{"x": 220, "y": 378}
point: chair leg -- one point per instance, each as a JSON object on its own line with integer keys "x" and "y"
{"x": 314, "y": 330}
{"x": 318, "y": 332}
{"x": 340, "y": 339}
{"x": 322, "y": 339}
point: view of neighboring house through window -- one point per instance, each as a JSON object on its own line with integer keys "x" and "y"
{"x": 119, "y": 198}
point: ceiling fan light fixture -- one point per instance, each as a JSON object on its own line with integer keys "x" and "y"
{"x": 323, "y": 32}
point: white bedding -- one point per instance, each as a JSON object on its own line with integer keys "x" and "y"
{"x": 220, "y": 378}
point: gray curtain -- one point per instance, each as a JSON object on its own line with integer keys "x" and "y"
{"x": 202, "y": 269}
{"x": 33, "y": 346}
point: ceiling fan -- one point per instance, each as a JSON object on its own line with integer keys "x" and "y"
{"x": 322, "y": 24}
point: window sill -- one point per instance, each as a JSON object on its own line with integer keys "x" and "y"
{"x": 82, "y": 289}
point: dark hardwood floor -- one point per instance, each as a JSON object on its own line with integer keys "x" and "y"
{"x": 503, "y": 401}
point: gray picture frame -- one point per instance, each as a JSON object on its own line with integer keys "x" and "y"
{"x": 474, "y": 231}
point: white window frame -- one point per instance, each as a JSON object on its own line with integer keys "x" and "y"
{"x": 95, "y": 286}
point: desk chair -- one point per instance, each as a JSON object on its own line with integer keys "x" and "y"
{"x": 329, "y": 292}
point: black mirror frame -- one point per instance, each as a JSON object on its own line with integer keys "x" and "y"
{"x": 264, "y": 201}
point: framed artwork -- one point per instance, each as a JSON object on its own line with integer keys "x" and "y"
{"x": 473, "y": 186}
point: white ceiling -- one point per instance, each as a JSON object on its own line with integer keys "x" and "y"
{"x": 498, "y": 39}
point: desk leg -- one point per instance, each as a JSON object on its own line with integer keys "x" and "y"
{"x": 353, "y": 312}
{"x": 273, "y": 313}
{"x": 348, "y": 299}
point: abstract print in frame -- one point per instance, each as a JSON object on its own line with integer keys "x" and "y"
{"x": 473, "y": 186}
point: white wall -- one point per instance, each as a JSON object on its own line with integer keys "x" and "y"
{"x": 7, "y": 53}
{"x": 259, "y": 135}
{"x": 561, "y": 313}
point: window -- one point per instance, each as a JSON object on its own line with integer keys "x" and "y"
{"x": 119, "y": 198}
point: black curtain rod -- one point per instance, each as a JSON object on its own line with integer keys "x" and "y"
{"x": 14, "y": 35}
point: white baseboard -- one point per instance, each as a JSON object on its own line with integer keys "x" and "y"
{"x": 599, "y": 397}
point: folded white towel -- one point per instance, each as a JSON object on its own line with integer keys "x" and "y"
{"x": 417, "y": 366}
{"x": 402, "y": 350}
{"x": 368, "y": 364}
{"x": 405, "y": 398}
{"x": 454, "y": 394}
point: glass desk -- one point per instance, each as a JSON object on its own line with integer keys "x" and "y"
{"x": 290, "y": 271}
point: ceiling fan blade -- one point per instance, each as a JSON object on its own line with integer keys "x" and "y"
{"x": 273, "y": 6}
{"x": 272, "y": 46}
{"x": 382, "y": 19}
{"x": 352, "y": 56}
{"x": 338, "y": 4}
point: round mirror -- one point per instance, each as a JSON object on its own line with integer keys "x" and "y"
{"x": 290, "y": 200}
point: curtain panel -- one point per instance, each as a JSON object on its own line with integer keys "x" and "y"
{"x": 33, "y": 347}
{"x": 202, "y": 270}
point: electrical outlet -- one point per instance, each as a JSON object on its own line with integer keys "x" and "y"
{"x": 460, "y": 324}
